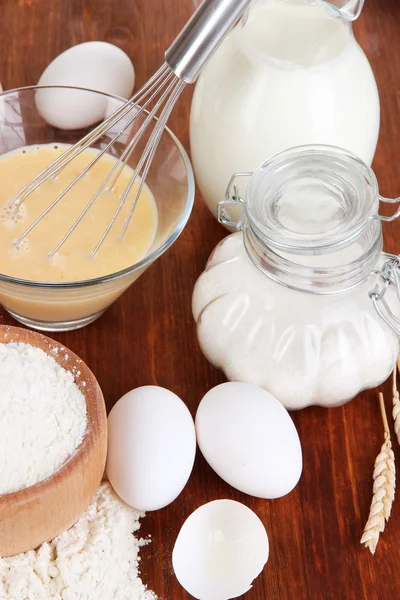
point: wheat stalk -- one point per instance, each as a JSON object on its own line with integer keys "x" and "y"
{"x": 396, "y": 403}
{"x": 383, "y": 489}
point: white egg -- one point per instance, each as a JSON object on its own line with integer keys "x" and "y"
{"x": 249, "y": 439}
{"x": 151, "y": 447}
{"x": 221, "y": 548}
{"x": 94, "y": 65}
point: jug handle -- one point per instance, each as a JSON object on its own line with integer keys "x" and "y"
{"x": 350, "y": 11}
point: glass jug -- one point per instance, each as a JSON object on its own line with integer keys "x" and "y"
{"x": 302, "y": 301}
{"x": 290, "y": 73}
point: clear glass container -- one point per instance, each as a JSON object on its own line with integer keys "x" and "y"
{"x": 302, "y": 301}
{"x": 291, "y": 73}
{"x": 65, "y": 306}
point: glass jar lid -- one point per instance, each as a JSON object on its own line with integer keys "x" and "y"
{"x": 311, "y": 198}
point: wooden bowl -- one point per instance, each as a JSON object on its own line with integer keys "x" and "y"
{"x": 38, "y": 513}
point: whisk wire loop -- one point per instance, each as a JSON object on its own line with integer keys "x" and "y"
{"x": 59, "y": 163}
{"x": 152, "y": 144}
{"x": 148, "y": 93}
{"x": 184, "y": 61}
{"x": 153, "y": 148}
{"x": 118, "y": 166}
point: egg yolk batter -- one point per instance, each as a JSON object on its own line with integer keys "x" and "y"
{"x": 30, "y": 259}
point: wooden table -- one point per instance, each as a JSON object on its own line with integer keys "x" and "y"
{"x": 148, "y": 336}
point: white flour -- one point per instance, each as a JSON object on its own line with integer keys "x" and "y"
{"x": 97, "y": 559}
{"x": 42, "y": 416}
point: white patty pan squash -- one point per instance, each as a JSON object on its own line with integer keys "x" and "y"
{"x": 304, "y": 349}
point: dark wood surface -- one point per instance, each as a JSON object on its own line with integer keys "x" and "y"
{"x": 148, "y": 336}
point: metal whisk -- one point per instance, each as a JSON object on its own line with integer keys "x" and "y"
{"x": 184, "y": 61}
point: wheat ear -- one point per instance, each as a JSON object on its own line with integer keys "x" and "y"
{"x": 383, "y": 488}
{"x": 396, "y": 403}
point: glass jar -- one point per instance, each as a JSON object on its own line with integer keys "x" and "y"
{"x": 291, "y": 73}
{"x": 302, "y": 301}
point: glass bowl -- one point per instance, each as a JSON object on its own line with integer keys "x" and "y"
{"x": 71, "y": 305}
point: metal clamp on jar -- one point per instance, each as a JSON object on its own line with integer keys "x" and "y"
{"x": 303, "y": 301}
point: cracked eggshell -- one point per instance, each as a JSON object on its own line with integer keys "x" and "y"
{"x": 221, "y": 548}
{"x": 249, "y": 439}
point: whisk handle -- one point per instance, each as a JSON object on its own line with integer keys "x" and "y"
{"x": 202, "y": 35}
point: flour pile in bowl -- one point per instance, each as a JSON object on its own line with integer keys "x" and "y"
{"x": 97, "y": 559}
{"x": 42, "y": 416}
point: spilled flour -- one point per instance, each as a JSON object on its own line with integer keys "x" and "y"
{"x": 97, "y": 559}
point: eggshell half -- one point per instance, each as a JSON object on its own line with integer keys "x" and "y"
{"x": 221, "y": 548}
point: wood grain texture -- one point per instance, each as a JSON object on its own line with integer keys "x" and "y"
{"x": 148, "y": 337}
{"x": 37, "y": 514}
